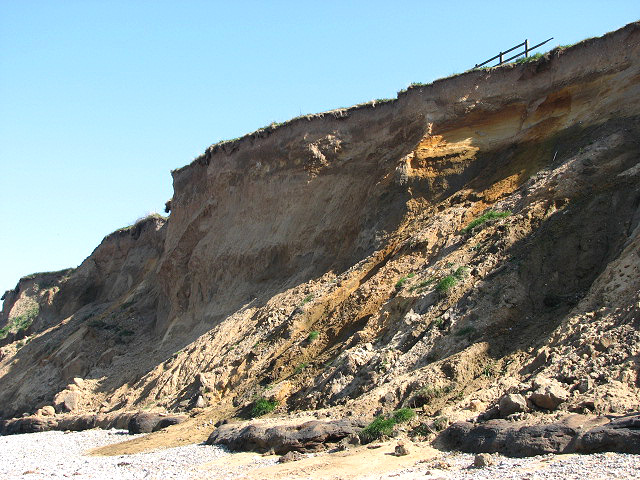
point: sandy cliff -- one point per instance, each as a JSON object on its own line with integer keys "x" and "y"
{"x": 351, "y": 225}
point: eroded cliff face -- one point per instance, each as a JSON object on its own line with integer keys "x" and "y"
{"x": 306, "y": 261}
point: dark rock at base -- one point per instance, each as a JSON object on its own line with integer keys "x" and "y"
{"x": 620, "y": 435}
{"x": 500, "y": 436}
{"x": 152, "y": 422}
{"x": 26, "y": 425}
{"x": 306, "y": 437}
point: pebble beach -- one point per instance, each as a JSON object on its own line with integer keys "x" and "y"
{"x": 60, "y": 455}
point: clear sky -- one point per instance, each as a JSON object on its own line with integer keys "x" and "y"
{"x": 99, "y": 100}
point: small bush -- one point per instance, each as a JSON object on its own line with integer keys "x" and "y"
{"x": 446, "y": 284}
{"x": 379, "y": 428}
{"x": 489, "y": 369}
{"x": 313, "y": 335}
{"x": 262, "y": 406}
{"x": 403, "y": 415}
{"x": 307, "y": 299}
{"x": 489, "y": 215}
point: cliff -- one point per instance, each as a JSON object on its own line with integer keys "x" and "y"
{"x": 328, "y": 262}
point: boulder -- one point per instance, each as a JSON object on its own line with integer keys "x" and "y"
{"x": 402, "y": 448}
{"x": 512, "y": 403}
{"x": 67, "y": 401}
{"x": 311, "y": 436}
{"x": 620, "y": 435}
{"x": 482, "y": 460}
{"x": 500, "y": 436}
{"x": 291, "y": 456}
{"x": 549, "y": 396}
{"x": 152, "y": 422}
{"x": 48, "y": 411}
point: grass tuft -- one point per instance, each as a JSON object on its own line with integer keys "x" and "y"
{"x": 485, "y": 217}
{"x": 531, "y": 58}
{"x": 403, "y": 415}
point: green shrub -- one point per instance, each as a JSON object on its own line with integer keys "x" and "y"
{"x": 307, "y": 299}
{"x": 446, "y": 284}
{"x": 313, "y": 335}
{"x": 403, "y": 415}
{"x": 262, "y": 406}
{"x": 489, "y": 215}
{"x": 377, "y": 429}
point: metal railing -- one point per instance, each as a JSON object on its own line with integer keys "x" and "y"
{"x": 526, "y": 51}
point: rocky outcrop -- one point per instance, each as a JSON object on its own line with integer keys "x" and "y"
{"x": 500, "y": 436}
{"x": 311, "y": 436}
{"x": 152, "y": 422}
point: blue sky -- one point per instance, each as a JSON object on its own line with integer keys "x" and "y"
{"x": 99, "y": 100}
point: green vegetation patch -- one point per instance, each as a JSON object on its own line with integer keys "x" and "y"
{"x": 485, "y": 217}
{"x": 262, "y": 406}
{"x": 313, "y": 335}
{"x": 403, "y": 415}
{"x": 531, "y": 58}
{"x": 446, "y": 284}
{"x": 20, "y": 322}
{"x": 383, "y": 426}
{"x": 380, "y": 427}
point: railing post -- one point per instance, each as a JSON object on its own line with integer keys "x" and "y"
{"x": 500, "y": 59}
{"x": 526, "y": 48}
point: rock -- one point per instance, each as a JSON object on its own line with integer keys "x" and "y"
{"x": 152, "y": 422}
{"x": 26, "y": 425}
{"x": 511, "y": 403}
{"x": 349, "y": 441}
{"x": 306, "y": 437}
{"x": 48, "y": 411}
{"x": 621, "y": 435}
{"x": 500, "y": 436}
{"x": 476, "y": 405}
{"x": 291, "y": 456}
{"x": 67, "y": 401}
{"x": 402, "y": 448}
{"x": 482, "y": 460}
{"x": 549, "y": 396}
{"x": 200, "y": 402}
